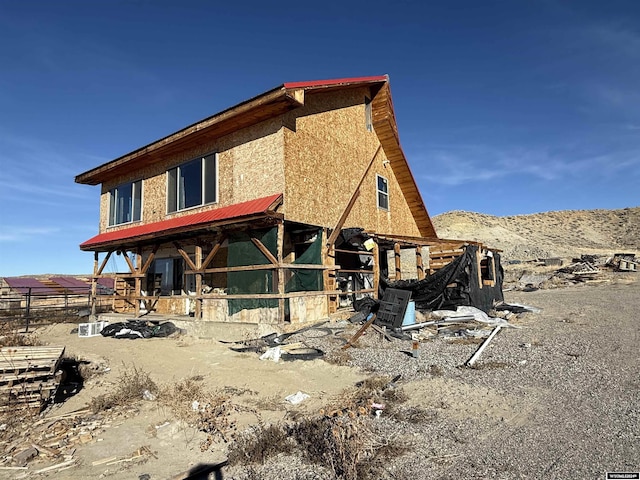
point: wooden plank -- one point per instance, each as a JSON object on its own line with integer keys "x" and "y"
{"x": 104, "y": 262}
{"x": 359, "y": 333}
{"x": 152, "y": 255}
{"x": 213, "y": 252}
{"x": 132, "y": 269}
{"x": 185, "y": 257}
{"x": 355, "y": 252}
{"x": 265, "y": 251}
{"x": 345, "y": 214}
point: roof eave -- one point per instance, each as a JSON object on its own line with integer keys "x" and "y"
{"x": 272, "y": 103}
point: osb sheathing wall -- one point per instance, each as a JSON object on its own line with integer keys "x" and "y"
{"x": 249, "y": 166}
{"x": 326, "y": 153}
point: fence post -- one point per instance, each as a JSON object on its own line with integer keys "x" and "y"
{"x": 27, "y": 310}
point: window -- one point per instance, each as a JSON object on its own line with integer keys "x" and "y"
{"x": 125, "y": 203}
{"x": 165, "y": 277}
{"x": 368, "y": 119}
{"x": 383, "y": 192}
{"x": 193, "y": 183}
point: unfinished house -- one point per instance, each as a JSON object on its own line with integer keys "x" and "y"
{"x": 279, "y": 209}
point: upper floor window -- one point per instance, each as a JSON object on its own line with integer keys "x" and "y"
{"x": 193, "y": 183}
{"x": 382, "y": 192}
{"x": 125, "y": 203}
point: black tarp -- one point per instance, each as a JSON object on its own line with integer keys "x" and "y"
{"x": 453, "y": 285}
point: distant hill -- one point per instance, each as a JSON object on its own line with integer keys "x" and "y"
{"x": 567, "y": 233}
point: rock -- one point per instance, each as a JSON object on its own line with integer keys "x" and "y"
{"x": 24, "y": 456}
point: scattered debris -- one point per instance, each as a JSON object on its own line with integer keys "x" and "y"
{"x": 296, "y": 398}
{"x": 478, "y": 352}
{"x": 133, "y": 329}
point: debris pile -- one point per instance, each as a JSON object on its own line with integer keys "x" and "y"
{"x": 276, "y": 347}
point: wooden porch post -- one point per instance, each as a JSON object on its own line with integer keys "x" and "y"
{"x": 329, "y": 275}
{"x": 280, "y": 272}
{"x": 396, "y": 251}
{"x": 419, "y": 265}
{"x": 198, "y": 312}
{"x": 138, "y": 281}
{"x": 376, "y": 269}
{"x": 94, "y": 284}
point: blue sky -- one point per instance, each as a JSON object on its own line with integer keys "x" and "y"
{"x": 503, "y": 107}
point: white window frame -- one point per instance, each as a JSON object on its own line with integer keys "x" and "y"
{"x": 173, "y": 196}
{"x": 136, "y": 188}
{"x": 381, "y": 192}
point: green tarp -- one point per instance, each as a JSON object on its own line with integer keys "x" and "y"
{"x": 242, "y": 252}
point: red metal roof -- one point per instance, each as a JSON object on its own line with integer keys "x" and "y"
{"x": 337, "y": 81}
{"x": 24, "y": 284}
{"x": 73, "y": 285}
{"x": 165, "y": 227}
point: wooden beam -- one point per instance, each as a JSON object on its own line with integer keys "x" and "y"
{"x": 398, "y": 262}
{"x": 186, "y": 258}
{"x": 138, "y": 280}
{"x": 152, "y": 255}
{"x": 198, "y": 312}
{"x": 352, "y": 201}
{"x": 419, "y": 265}
{"x": 328, "y": 276}
{"x": 269, "y": 266}
{"x": 132, "y": 268}
{"x": 280, "y": 272}
{"x": 265, "y": 251}
{"x": 104, "y": 263}
{"x": 376, "y": 269}
{"x": 213, "y": 252}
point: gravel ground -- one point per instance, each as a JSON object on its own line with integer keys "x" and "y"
{"x": 555, "y": 398}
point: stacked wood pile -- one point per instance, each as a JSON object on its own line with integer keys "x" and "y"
{"x": 28, "y": 376}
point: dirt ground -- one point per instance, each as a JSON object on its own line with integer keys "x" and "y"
{"x": 556, "y": 398}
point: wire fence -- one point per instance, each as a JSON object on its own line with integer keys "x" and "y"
{"x": 35, "y": 304}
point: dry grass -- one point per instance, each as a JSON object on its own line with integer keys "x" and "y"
{"x": 342, "y": 439}
{"x": 128, "y": 390}
{"x": 10, "y": 336}
{"x": 348, "y": 448}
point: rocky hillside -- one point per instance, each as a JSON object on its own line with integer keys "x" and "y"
{"x": 568, "y": 233}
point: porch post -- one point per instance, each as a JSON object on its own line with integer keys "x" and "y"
{"x": 198, "y": 313}
{"x": 376, "y": 269}
{"x": 396, "y": 251}
{"x": 419, "y": 265}
{"x": 280, "y": 272}
{"x": 94, "y": 286}
{"x": 138, "y": 281}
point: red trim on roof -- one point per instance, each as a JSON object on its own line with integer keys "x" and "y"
{"x": 252, "y": 207}
{"x": 337, "y": 81}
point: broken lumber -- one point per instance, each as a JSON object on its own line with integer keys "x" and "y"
{"x": 359, "y": 333}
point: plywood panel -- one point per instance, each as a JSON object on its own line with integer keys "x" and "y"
{"x": 325, "y": 158}
{"x": 250, "y": 165}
